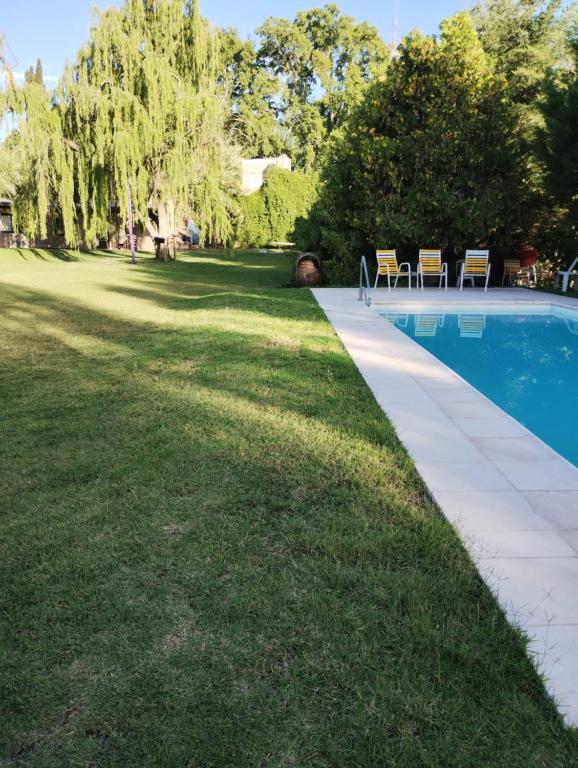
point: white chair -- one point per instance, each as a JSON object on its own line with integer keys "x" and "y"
{"x": 459, "y": 266}
{"x": 387, "y": 266}
{"x": 476, "y": 264}
{"x": 564, "y": 276}
{"x": 430, "y": 265}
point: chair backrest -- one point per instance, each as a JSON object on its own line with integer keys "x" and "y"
{"x": 472, "y": 326}
{"x": 512, "y": 265}
{"x": 386, "y": 259}
{"x": 476, "y": 262}
{"x": 396, "y": 319}
{"x": 427, "y": 325}
{"x": 430, "y": 260}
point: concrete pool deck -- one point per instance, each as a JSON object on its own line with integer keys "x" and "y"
{"x": 512, "y": 498}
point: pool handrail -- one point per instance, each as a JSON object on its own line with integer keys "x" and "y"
{"x": 365, "y": 292}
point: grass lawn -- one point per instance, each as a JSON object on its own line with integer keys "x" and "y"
{"x": 214, "y": 552}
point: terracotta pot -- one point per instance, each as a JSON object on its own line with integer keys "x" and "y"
{"x": 308, "y": 271}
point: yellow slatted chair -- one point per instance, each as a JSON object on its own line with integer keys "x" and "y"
{"x": 512, "y": 269}
{"x": 476, "y": 264}
{"x": 387, "y": 266}
{"x": 430, "y": 265}
{"x": 516, "y": 274}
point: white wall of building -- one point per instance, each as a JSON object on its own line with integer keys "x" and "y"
{"x": 253, "y": 171}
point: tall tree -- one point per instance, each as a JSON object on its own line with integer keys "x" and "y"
{"x": 429, "y": 158}
{"x": 35, "y": 74}
{"x": 144, "y": 108}
{"x": 558, "y": 149}
{"x": 140, "y": 106}
{"x": 324, "y": 61}
{"x": 39, "y": 72}
{"x": 526, "y": 40}
{"x": 35, "y": 159}
{"x": 252, "y": 92}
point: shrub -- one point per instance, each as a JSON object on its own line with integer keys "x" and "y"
{"x": 270, "y": 215}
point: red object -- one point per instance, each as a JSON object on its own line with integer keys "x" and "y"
{"x": 528, "y": 256}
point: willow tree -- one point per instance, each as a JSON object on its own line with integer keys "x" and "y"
{"x": 143, "y": 109}
{"x": 36, "y": 163}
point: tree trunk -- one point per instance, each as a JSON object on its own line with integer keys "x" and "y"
{"x": 166, "y": 228}
{"x": 164, "y": 231}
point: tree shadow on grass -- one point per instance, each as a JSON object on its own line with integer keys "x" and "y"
{"x": 216, "y": 551}
{"x": 294, "y": 304}
{"x": 227, "y": 269}
{"x": 42, "y": 254}
{"x": 198, "y": 285}
{"x": 237, "y": 350}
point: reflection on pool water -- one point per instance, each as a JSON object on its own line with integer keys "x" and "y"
{"x": 525, "y": 363}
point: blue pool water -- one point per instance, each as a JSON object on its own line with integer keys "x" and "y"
{"x": 525, "y": 363}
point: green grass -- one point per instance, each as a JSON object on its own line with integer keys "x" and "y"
{"x": 214, "y": 552}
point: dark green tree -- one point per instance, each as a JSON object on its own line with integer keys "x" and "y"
{"x": 430, "y": 158}
{"x": 558, "y": 149}
{"x": 528, "y": 42}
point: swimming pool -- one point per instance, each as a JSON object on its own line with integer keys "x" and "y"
{"x": 525, "y": 361}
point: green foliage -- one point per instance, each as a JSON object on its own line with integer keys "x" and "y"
{"x": 301, "y": 83}
{"x": 142, "y": 105}
{"x": 36, "y": 160}
{"x": 35, "y": 75}
{"x": 271, "y": 214}
{"x": 430, "y": 158}
{"x": 558, "y": 149}
{"x": 251, "y": 91}
{"x": 254, "y": 227}
{"x": 526, "y": 39}
{"x": 323, "y": 61}
{"x": 464, "y": 139}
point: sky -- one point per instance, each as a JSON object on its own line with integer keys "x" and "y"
{"x": 54, "y": 29}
